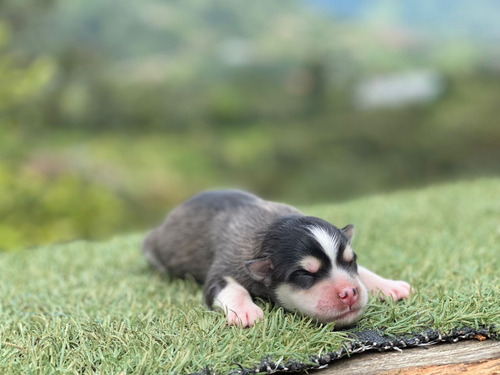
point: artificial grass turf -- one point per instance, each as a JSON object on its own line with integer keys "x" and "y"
{"x": 97, "y": 307}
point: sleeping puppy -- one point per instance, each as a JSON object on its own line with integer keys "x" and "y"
{"x": 241, "y": 246}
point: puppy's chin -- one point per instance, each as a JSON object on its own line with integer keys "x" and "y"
{"x": 341, "y": 320}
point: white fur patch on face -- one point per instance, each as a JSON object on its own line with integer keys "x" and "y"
{"x": 328, "y": 242}
{"x": 348, "y": 254}
{"x": 310, "y": 264}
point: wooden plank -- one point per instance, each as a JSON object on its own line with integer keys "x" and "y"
{"x": 481, "y": 357}
{"x": 488, "y": 367}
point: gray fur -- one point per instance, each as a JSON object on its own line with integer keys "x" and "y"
{"x": 213, "y": 235}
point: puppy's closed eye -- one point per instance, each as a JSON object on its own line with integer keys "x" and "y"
{"x": 302, "y": 278}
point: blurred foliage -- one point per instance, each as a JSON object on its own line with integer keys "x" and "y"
{"x": 112, "y": 112}
{"x": 38, "y": 212}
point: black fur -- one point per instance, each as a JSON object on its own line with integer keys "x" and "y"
{"x": 213, "y": 289}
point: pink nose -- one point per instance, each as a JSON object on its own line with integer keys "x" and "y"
{"x": 349, "y": 296}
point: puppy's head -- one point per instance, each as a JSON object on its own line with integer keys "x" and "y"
{"x": 309, "y": 266}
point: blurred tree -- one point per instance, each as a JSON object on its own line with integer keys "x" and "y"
{"x": 22, "y": 83}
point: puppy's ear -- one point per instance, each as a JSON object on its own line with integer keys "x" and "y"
{"x": 260, "y": 270}
{"x": 349, "y": 231}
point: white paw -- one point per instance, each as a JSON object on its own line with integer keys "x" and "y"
{"x": 392, "y": 289}
{"x": 237, "y": 304}
{"x": 245, "y": 315}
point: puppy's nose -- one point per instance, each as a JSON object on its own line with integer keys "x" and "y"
{"x": 349, "y": 296}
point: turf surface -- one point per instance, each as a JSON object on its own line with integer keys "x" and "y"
{"x": 88, "y": 307}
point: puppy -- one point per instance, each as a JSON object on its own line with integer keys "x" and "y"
{"x": 241, "y": 246}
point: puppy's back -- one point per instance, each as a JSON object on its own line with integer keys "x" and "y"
{"x": 187, "y": 241}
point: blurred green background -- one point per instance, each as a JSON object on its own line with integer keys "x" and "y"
{"x": 112, "y": 112}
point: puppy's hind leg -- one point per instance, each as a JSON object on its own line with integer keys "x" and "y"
{"x": 227, "y": 294}
{"x": 387, "y": 288}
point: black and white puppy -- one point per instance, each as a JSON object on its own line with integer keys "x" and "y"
{"x": 241, "y": 246}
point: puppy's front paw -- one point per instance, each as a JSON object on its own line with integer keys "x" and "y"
{"x": 237, "y": 304}
{"x": 393, "y": 289}
{"x": 245, "y": 315}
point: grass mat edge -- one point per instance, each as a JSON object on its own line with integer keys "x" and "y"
{"x": 369, "y": 340}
